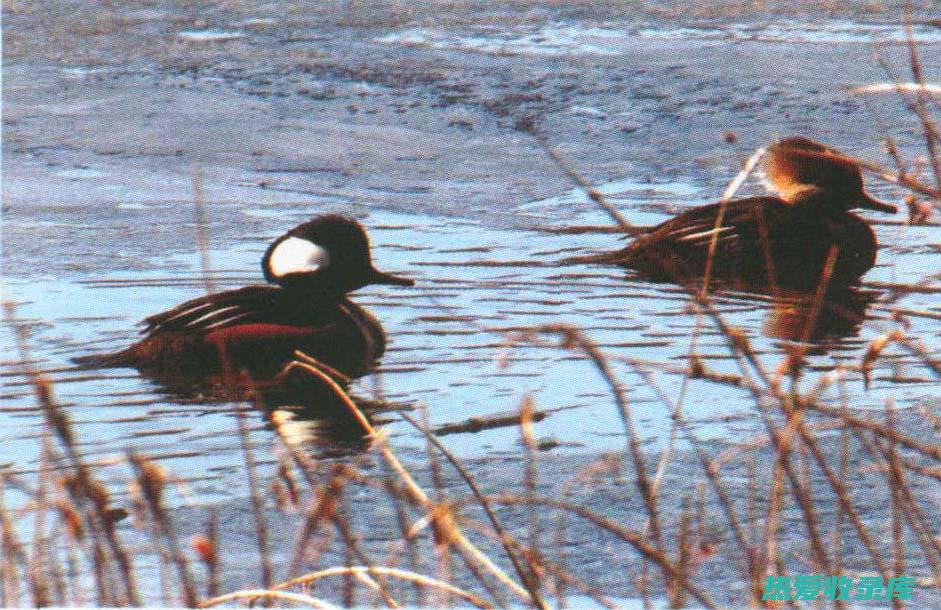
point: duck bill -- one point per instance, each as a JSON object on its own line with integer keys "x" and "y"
{"x": 378, "y": 277}
{"x": 870, "y": 203}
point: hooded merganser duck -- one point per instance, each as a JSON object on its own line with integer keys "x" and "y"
{"x": 257, "y": 329}
{"x": 770, "y": 241}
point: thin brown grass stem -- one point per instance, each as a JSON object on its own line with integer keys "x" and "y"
{"x": 634, "y": 538}
{"x": 929, "y": 129}
{"x": 579, "y": 180}
{"x": 896, "y": 481}
{"x": 527, "y": 572}
{"x": 574, "y": 338}
{"x": 711, "y": 469}
{"x": 151, "y": 480}
{"x": 730, "y": 191}
{"x": 402, "y": 520}
{"x": 406, "y": 575}
{"x": 322, "y": 509}
{"x": 87, "y": 493}
{"x": 415, "y": 493}
{"x": 908, "y": 507}
{"x": 933, "y": 451}
{"x": 40, "y": 562}
{"x": 528, "y": 437}
{"x": 844, "y": 502}
{"x": 261, "y": 524}
{"x": 282, "y": 596}
{"x": 444, "y": 560}
{"x": 13, "y": 555}
{"x": 211, "y": 556}
{"x": 379, "y": 583}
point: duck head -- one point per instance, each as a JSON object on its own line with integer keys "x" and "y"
{"x": 799, "y": 168}
{"x": 329, "y": 254}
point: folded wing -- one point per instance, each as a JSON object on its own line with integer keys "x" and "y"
{"x": 215, "y": 311}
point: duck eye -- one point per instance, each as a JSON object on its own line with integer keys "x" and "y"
{"x": 296, "y": 255}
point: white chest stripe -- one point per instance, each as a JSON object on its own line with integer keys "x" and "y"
{"x": 296, "y": 255}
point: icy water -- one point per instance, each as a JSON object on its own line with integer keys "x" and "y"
{"x": 562, "y": 39}
{"x": 450, "y": 337}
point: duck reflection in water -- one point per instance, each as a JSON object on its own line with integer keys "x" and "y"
{"x": 808, "y": 318}
{"x": 238, "y": 344}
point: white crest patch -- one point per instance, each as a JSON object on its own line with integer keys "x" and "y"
{"x": 296, "y": 255}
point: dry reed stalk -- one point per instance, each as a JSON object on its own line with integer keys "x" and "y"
{"x": 772, "y": 519}
{"x": 783, "y": 445}
{"x": 323, "y": 366}
{"x": 572, "y": 338}
{"x": 87, "y": 493}
{"x": 76, "y": 594}
{"x": 527, "y": 572}
{"x": 406, "y": 575}
{"x": 207, "y": 548}
{"x": 635, "y": 538}
{"x": 909, "y": 508}
{"x": 416, "y": 494}
{"x": 349, "y": 581}
{"x": 139, "y": 509}
{"x": 842, "y": 475}
{"x": 898, "y": 179}
{"x": 560, "y": 539}
{"x": 710, "y": 468}
{"x": 40, "y": 561}
{"x": 898, "y": 534}
{"x": 730, "y": 191}
{"x": 858, "y": 423}
{"x": 353, "y": 547}
{"x": 444, "y": 562}
{"x": 570, "y": 580}
{"x": 844, "y": 501}
{"x": 308, "y": 466}
{"x": 931, "y": 418}
{"x": 12, "y": 552}
{"x": 677, "y": 595}
{"x": 261, "y": 524}
{"x": 402, "y": 520}
{"x": 919, "y": 349}
{"x": 557, "y": 570}
{"x": 322, "y": 508}
{"x": 528, "y": 438}
{"x": 578, "y": 179}
{"x": 742, "y": 352}
{"x": 879, "y": 454}
{"x": 929, "y": 129}
{"x": 605, "y": 464}
{"x": 642, "y": 583}
{"x": 282, "y": 596}
{"x": 799, "y": 426}
{"x": 50, "y": 553}
{"x": 919, "y": 109}
{"x": 151, "y": 479}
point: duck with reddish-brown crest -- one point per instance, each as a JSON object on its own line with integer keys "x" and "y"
{"x": 795, "y": 239}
